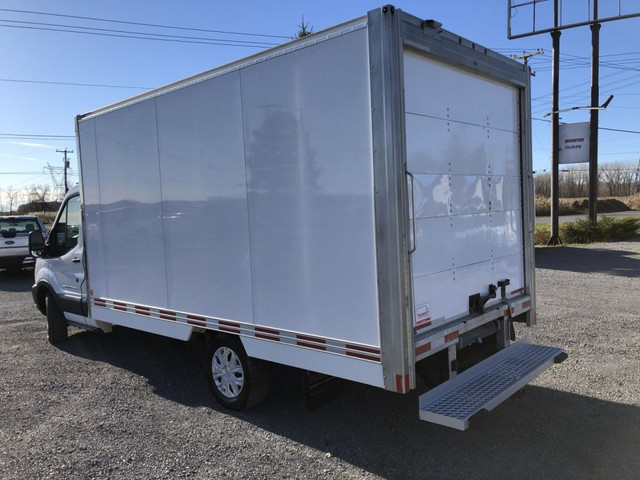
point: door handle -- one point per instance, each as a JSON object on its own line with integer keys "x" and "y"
{"x": 75, "y": 260}
{"x": 413, "y": 213}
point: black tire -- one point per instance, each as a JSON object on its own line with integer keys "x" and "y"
{"x": 56, "y": 323}
{"x": 237, "y": 381}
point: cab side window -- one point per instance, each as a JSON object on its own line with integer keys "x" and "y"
{"x": 66, "y": 231}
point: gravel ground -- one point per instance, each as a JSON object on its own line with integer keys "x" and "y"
{"x": 133, "y": 405}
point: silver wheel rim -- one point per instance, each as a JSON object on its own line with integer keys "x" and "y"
{"x": 228, "y": 374}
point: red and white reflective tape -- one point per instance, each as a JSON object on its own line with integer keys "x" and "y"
{"x": 266, "y": 333}
{"x": 313, "y": 342}
{"x": 402, "y": 383}
{"x": 521, "y": 306}
{"x": 429, "y": 324}
{"x": 431, "y": 344}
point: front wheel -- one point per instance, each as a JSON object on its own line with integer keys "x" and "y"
{"x": 56, "y": 323}
{"x": 237, "y": 381}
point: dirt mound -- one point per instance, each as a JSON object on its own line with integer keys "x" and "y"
{"x": 605, "y": 205}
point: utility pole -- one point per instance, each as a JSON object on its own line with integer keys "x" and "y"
{"x": 526, "y": 56}
{"x": 554, "y": 239}
{"x": 593, "y": 126}
{"x": 595, "y": 24}
{"x": 66, "y": 166}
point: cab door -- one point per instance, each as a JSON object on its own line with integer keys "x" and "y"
{"x": 65, "y": 251}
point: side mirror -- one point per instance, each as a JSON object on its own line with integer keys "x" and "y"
{"x": 36, "y": 244}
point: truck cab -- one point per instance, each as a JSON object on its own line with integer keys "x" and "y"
{"x": 59, "y": 289}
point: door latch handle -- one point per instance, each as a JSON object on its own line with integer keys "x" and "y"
{"x": 413, "y": 214}
{"x": 75, "y": 260}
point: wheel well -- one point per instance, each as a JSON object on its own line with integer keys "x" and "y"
{"x": 41, "y": 296}
{"x": 208, "y": 336}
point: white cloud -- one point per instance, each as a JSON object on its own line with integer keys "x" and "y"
{"x": 29, "y": 144}
{"x": 10, "y": 158}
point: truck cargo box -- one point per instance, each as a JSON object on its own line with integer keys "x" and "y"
{"x": 350, "y": 203}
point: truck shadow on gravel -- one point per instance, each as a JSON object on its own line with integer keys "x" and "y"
{"x": 589, "y": 260}
{"x": 545, "y": 433}
{"x": 173, "y": 368}
{"x": 20, "y": 281}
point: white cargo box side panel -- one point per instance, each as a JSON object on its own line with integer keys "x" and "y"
{"x": 241, "y": 196}
{"x": 165, "y": 200}
{"x": 131, "y": 224}
{"x": 204, "y": 199}
{"x": 307, "y": 126}
{"x": 464, "y": 153}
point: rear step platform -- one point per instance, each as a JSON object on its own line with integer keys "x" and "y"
{"x": 487, "y": 384}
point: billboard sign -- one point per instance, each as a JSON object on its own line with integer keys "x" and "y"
{"x": 574, "y": 142}
{"x": 532, "y": 17}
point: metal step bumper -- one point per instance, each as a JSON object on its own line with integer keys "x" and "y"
{"x": 487, "y": 384}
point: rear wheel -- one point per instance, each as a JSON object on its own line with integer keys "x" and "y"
{"x": 237, "y": 381}
{"x": 56, "y": 324}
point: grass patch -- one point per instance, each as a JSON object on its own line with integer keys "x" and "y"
{"x": 608, "y": 229}
{"x": 541, "y": 234}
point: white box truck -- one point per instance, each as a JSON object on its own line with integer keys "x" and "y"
{"x": 357, "y": 203}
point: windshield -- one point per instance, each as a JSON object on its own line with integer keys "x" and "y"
{"x": 10, "y": 227}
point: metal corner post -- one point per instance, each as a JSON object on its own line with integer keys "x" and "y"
{"x": 528, "y": 192}
{"x": 392, "y": 231}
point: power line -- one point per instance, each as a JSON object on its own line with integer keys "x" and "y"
{"x": 613, "y": 85}
{"x": 16, "y": 80}
{"x": 618, "y": 130}
{"x": 512, "y": 50}
{"x": 578, "y": 85}
{"x": 103, "y": 32}
{"x": 619, "y": 153}
{"x": 162, "y": 35}
{"x": 610, "y": 86}
{"x": 582, "y": 84}
{"x": 599, "y": 128}
{"x": 125, "y": 22}
{"x": 30, "y": 179}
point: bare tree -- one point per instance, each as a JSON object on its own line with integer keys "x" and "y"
{"x": 611, "y": 177}
{"x": 627, "y": 181}
{"x": 616, "y": 179}
{"x": 543, "y": 184}
{"x": 12, "y": 198}
{"x": 575, "y": 183}
{"x": 38, "y": 195}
